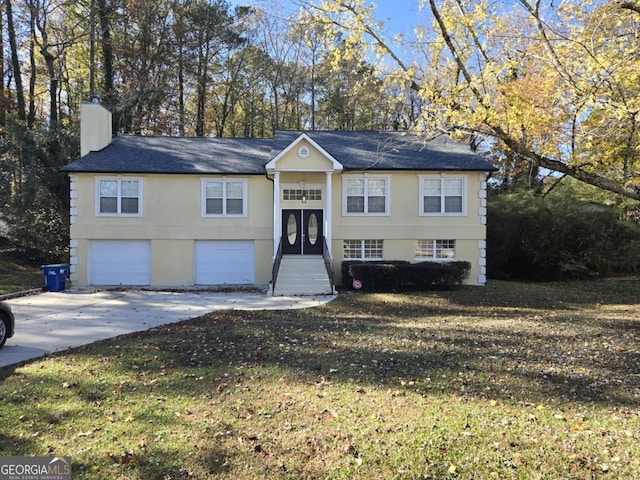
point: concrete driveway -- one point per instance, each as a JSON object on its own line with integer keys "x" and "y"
{"x": 51, "y": 322}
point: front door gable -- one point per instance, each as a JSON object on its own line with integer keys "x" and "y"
{"x": 303, "y": 155}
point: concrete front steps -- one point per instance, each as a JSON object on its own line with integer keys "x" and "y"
{"x": 302, "y": 275}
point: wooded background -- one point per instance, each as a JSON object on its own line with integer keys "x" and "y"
{"x": 548, "y": 90}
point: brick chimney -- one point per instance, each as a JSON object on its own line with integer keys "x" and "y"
{"x": 95, "y": 128}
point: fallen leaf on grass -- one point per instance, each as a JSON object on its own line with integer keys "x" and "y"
{"x": 124, "y": 459}
{"x": 350, "y": 449}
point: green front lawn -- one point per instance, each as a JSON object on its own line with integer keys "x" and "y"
{"x": 526, "y": 381}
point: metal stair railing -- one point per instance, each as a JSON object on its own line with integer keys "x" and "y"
{"x": 326, "y": 255}
{"x": 276, "y": 268}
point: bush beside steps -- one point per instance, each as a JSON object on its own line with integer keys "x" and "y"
{"x": 399, "y": 275}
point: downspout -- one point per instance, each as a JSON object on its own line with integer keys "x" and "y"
{"x": 277, "y": 217}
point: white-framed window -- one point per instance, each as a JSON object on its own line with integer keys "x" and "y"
{"x": 224, "y": 197}
{"x": 365, "y": 195}
{"x": 312, "y": 193}
{"x": 119, "y": 196}
{"x": 442, "y": 195}
{"x": 436, "y": 250}
{"x": 362, "y": 249}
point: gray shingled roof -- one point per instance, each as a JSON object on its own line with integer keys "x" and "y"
{"x": 186, "y": 155}
{"x": 354, "y": 150}
{"x": 370, "y": 150}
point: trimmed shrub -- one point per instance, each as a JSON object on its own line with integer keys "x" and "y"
{"x": 377, "y": 277}
{"x": 400, "y": 275}
{"x": 345, "y": 268}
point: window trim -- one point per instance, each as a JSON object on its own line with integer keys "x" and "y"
{"x": 302, "y": 188}
{"x": 362, "y": 249}
{"x": 441, "y": 213}
{"x": 434, "y": 247}
{"x": 224, "y": 181}
{"x": 118, "y": 212}
{"x": 366, "y": 176}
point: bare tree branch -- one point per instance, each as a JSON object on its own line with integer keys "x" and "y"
{"x": 561, "y": 167}
{"x": 517, "y": 146}
{"x": 372, "y": 33}
{"x": 633, "y": 6}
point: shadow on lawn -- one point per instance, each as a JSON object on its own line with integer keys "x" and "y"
{"x": 426, "y": 344}
{"x": 14, "y": 446}
{"x": 520, "y": 342}
{"x": 531, "y": 358}
{"x": 574, "y": 295}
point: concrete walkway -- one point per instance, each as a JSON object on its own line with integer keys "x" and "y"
{"x": 51, "y": 322}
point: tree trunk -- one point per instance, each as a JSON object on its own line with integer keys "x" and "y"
{"x": 107, "y": 49}
{"x": 181, "y": 111}
{"x": 49, "y": 58}
{"x": 180, "y": 33}
{"x": 15, "y": 63}
{"x": 92, "y": 49}
{"x": 3, "y": 93}
{"x": 53, "y": 89}
{"x": 31, "y": 116}
{"x": 203, "y": 72}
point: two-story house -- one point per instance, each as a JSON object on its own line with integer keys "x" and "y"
{"x": 174, "y": 211}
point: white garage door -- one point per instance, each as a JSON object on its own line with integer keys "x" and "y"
{"x": 220, "y": 262}
{"x": 119, "y": 262}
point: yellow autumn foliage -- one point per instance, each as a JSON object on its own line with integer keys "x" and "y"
{"x": 558, "y": 84}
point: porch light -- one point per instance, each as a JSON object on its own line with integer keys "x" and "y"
{"x": 304, "y": 196}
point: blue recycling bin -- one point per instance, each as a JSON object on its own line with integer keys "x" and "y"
{"x": 55, "y": 276}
